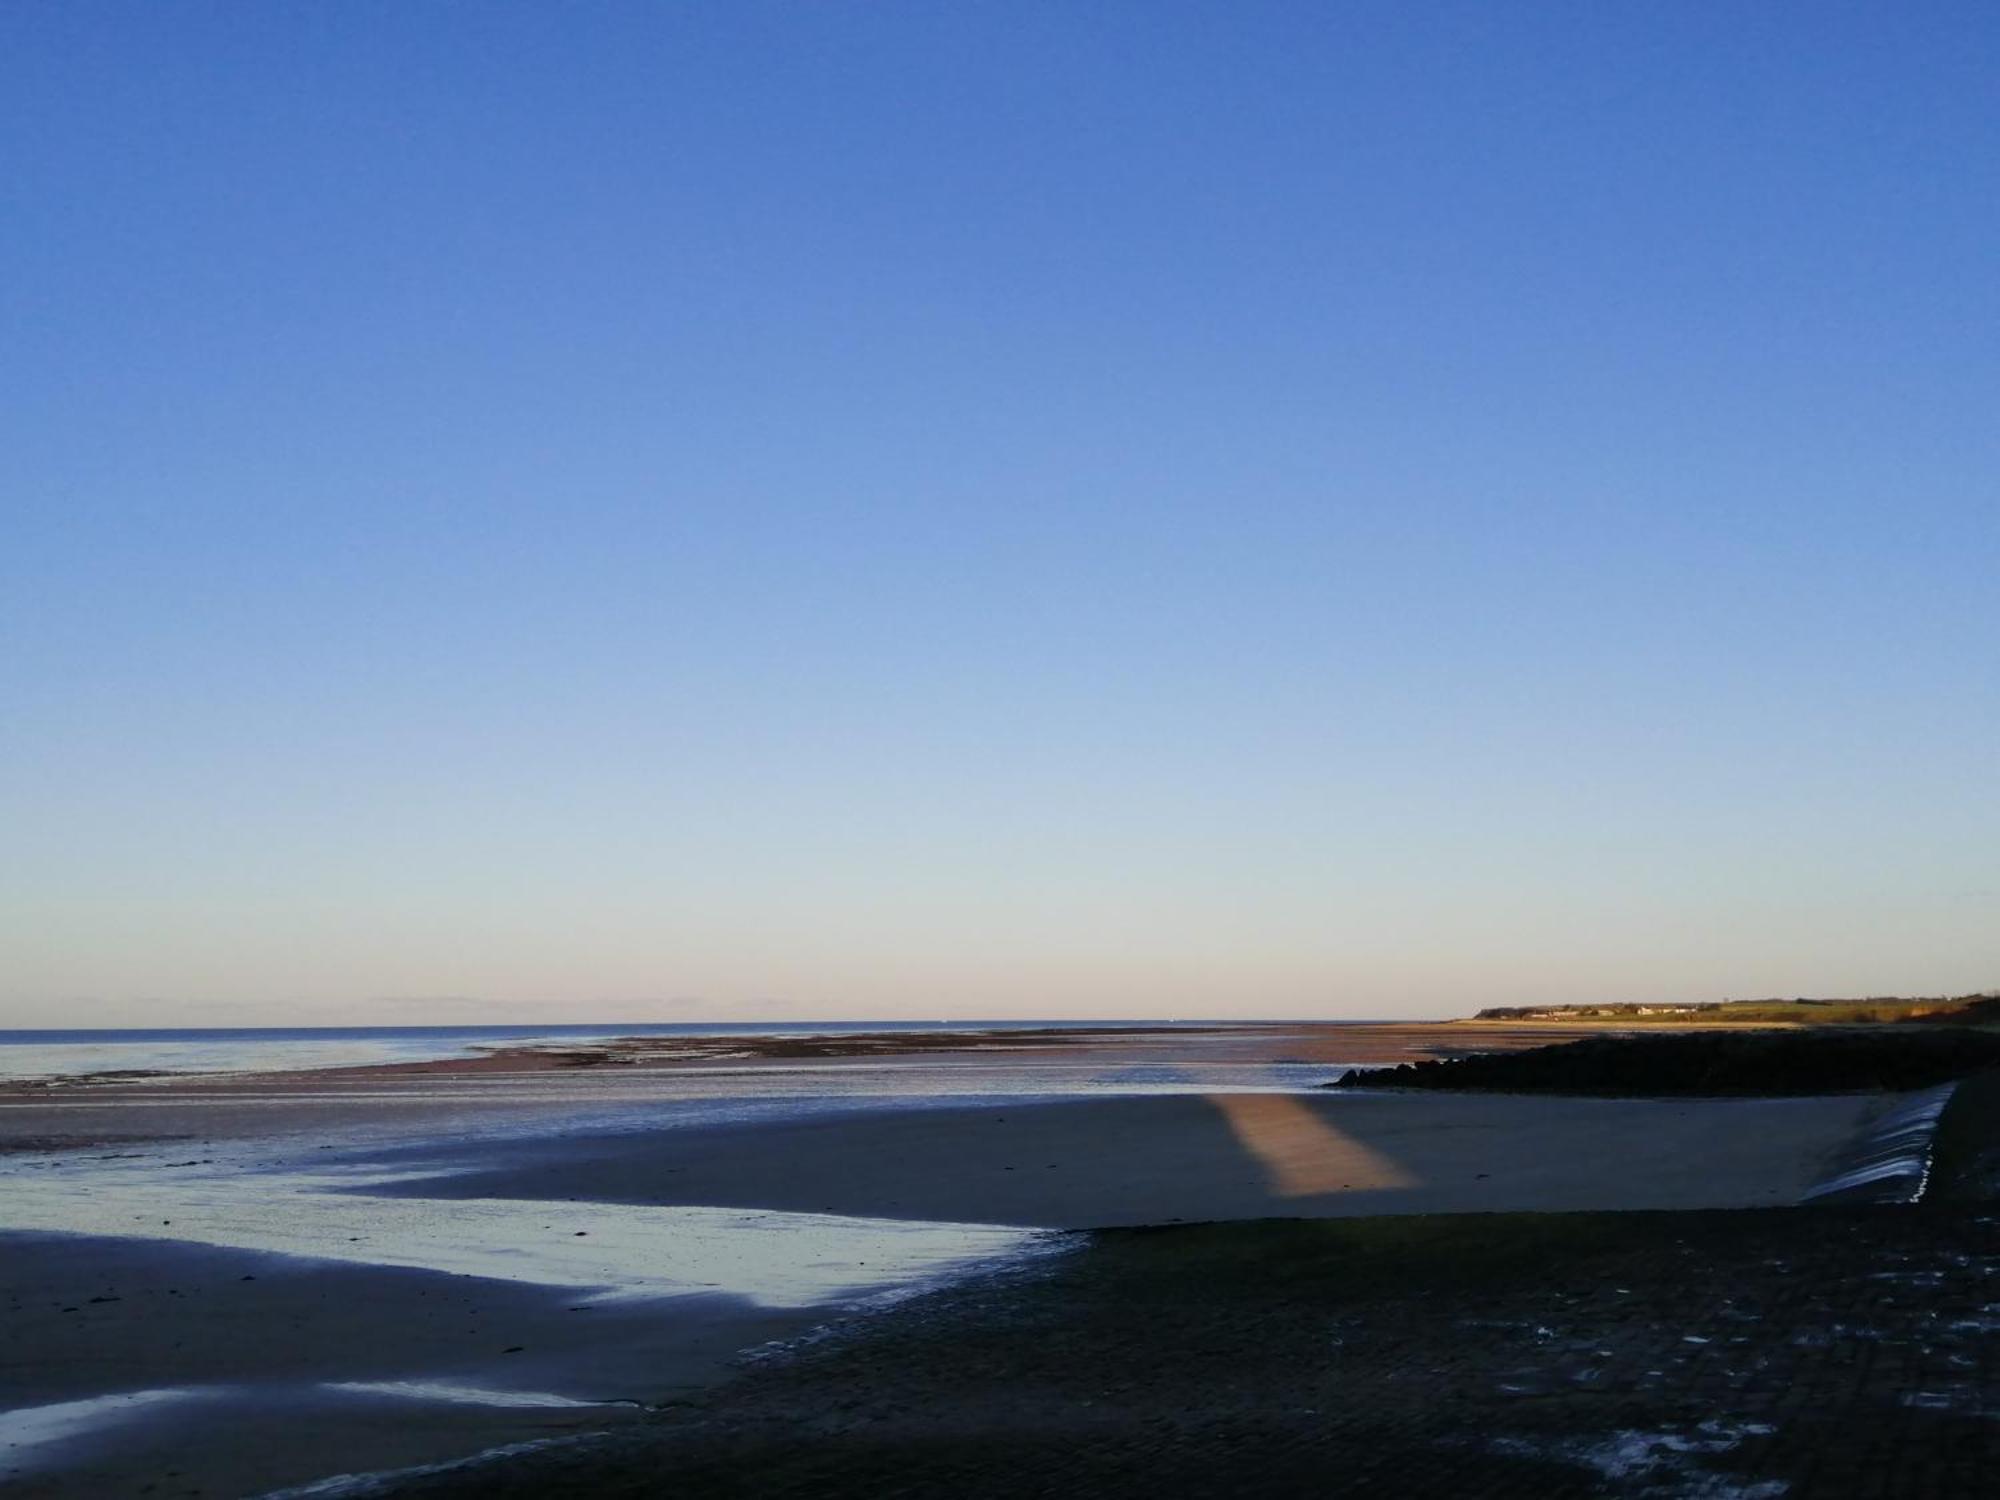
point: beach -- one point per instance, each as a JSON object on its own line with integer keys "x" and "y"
{"x": 368, "y": 1269}
{"x": 1779, "y": 1354}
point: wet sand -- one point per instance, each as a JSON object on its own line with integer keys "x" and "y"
{"x": 232, "y": 1372}
{"x": 227, "y": 1325}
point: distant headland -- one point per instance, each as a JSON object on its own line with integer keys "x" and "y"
{"x": 1983, "y": 1006}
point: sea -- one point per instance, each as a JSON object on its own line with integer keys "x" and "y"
{"x": 265, "y": 1049}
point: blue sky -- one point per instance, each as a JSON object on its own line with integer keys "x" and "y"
{"x": 994, "y": 509}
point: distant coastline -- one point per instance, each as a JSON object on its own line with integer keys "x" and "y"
{"x": 1981, "y": 1006}
{"x": 39, "y": 1053}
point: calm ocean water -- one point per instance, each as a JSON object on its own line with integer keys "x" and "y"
{"x": 49, "y": 1053}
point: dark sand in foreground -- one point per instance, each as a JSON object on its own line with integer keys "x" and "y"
{"x": 1800, "y": 1354}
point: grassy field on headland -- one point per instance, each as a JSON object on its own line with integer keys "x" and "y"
{"x": 1982, "y": 1008}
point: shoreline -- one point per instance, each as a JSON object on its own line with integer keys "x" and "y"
{"x": 78, "y": 1115}
{"x": 1358, "y": 1040}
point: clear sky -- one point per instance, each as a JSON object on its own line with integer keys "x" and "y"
{"x": 994, "y": 509}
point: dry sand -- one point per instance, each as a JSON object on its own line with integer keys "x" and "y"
{"x": 1101, "y": 1162}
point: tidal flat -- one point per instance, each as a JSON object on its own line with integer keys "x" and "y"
{"x": 233, "y": 1284}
